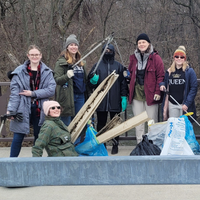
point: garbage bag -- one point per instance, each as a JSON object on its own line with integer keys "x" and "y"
{"x": 146, "y": 147}
{"x": 190, "y": 136}
{"x": 157, "y": 133}
{"x": 175, "y": 143}
{"x": 90, "y": 146}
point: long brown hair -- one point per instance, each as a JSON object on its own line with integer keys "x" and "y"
{"x": 70, "y": 58}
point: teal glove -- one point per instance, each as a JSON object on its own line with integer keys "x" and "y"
{"x": 94, "y": 79}
{"x": 124, "y": 103}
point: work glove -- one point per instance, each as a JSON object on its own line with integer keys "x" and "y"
{"x": 94, "y": 79}
{"x": 124, "y": 103}
{"x": 156, "y": 97}
{"x": 70, "y": 73}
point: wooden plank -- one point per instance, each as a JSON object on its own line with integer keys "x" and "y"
{"x": 122, "y": 128}
{"x": 86, "y": 113}
{"x": 115, "y": 121}
{"x": 82, "y": 117}
{"x": 89, "y": 101}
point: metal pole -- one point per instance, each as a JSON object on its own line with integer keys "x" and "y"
{"x": 109, "y": 39}
{"x": 185, "y": 111}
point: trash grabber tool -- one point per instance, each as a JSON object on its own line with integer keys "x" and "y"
{"x": 3, "y": 119}
{"x": 167, "y": 92}
{"x": 126, "y": 73}
{"x": 109, "y": 39}
{"x": 16, "y": 116}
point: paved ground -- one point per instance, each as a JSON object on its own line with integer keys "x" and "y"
{"x": 102, "y": 192}
{"x": 26, "y": 151}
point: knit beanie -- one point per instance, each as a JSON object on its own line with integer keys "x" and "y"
{"x": 48, "y": 104}
{"x": 181, "y": 51}
{"x": 143, "y": 36}
{"x": 71, "y": 39}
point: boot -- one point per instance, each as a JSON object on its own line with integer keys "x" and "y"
{"x": 114, "y": 149}
{"x": 115, "y": 145}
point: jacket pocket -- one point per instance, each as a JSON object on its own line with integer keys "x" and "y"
{"x": 68, "y": 149}
{"x": 150, "y": 78}
{"x": 65, "y": 139}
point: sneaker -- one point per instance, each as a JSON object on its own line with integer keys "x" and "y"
{"x": 114, "y": 149}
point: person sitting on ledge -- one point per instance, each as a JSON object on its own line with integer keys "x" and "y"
{"x": 54, "y": 135}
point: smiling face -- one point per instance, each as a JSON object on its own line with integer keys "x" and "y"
{"x": 73, "y": 48}
{"x": 34, "y": 56}
{"x": 55, "y": 111}
{"x": 179, "y": 60}
{"x": 143, "y": 45}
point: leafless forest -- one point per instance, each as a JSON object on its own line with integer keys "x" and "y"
{"x": 47, "y": 23}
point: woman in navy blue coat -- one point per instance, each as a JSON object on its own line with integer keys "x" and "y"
{"x": 181, "y": 82}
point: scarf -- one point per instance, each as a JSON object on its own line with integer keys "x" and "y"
{"x": 34, "y": 85}
{"x": 142, "y": 62}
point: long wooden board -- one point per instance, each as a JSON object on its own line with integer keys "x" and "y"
{"x": 82, "y": 117}
{"x": 123, "y": 127}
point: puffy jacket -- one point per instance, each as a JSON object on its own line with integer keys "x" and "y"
{"x": 190, "y": 92}
{"x": 65, "y": 95}
{"x": 112, "y": 101}
{"x": 22, "y": 104}
{"x": 154, "y": 74}
{"x": 55, "y": 138}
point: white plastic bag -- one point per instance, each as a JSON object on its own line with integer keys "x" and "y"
{"x": 175, "y": 143}
{"x": 157, "y": 133}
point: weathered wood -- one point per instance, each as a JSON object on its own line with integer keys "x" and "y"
{"x": 82, "y": 117}
{"x": 115, "y": 121}
{"x": 122, "y": 128}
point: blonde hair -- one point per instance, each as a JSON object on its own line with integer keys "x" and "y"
{"x": 70, "y": 59}
{"x": 173, "y": 66}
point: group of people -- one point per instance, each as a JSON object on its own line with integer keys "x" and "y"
{"x": 33, "y": 84}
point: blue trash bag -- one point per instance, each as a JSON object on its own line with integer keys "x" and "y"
{"x": 90, "y": 146}
{"x": 190, "y": 136}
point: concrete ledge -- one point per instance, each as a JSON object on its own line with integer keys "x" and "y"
{"x": 118, "y": 170}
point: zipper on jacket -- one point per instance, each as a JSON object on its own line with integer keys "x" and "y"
{"x": 109, "y": 72}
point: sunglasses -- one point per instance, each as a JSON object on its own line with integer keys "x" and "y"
{"x": 181, "y": 57}
{"x": 53, "y": 108}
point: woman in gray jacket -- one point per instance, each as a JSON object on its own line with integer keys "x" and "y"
{"x": 32, "y": 83}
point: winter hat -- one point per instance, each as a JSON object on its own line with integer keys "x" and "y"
{"x": 71, "y": 39}
{"x": 181, "y": 51}
{"x": 110, "y": 46}
{"x": 48, "y": 104}
{"x": 143, "y": 36}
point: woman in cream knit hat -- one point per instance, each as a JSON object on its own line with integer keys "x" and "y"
{"x": 181, "y": 82}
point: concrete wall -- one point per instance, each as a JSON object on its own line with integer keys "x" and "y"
{"x": 115, "y": 170}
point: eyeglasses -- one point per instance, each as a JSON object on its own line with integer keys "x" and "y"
{"x": 53, "y": 108}
{"x": 34, "y": 55}
{"x": 181, "y": 57}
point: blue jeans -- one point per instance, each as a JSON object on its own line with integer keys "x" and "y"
{"x": 66, "y": 120}
{"x": 79, "y": 100}
{"x": 19, "y": 137}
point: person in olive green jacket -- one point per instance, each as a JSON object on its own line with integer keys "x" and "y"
{"x": 54, "y": 135}
{"x": 71, "y": 92}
